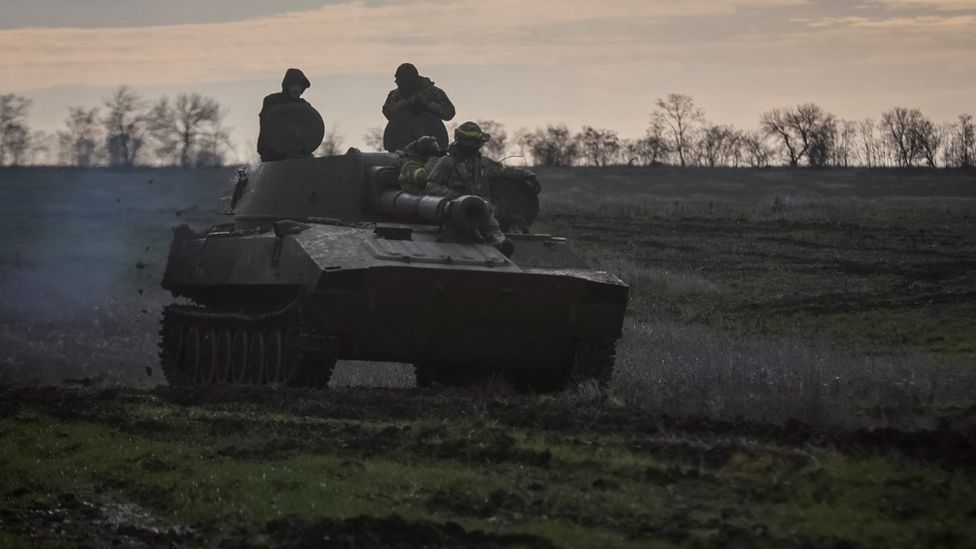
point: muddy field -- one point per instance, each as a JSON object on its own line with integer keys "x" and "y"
{"x": 483, "y": 468}
{"x": 797, "y": 370}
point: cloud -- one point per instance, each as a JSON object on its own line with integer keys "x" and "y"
{"x": 943, "y": 5}
{"x": 348, "y": 38}
{"x": 964, "y": 23}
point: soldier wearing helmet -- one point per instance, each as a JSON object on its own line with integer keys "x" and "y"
{"x": 415, "y": 108}
{"x": 416, "y": 160}
{"x": 465, "y": 171}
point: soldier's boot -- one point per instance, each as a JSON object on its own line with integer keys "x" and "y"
{"x": 506, "y": 247}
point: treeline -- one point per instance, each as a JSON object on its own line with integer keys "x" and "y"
{"x": 802, "y": 135}
{"x": 188, "y": 130}
{"x": 126, "y": 130}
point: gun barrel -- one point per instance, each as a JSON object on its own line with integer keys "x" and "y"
{"x": 466, "y": 211}
{"x": 402, "y": 204}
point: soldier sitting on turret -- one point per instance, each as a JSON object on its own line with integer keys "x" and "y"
{"x": 464, "y": 171}
{"x": 293, "y": 85}
{"x": 416, "y": 161}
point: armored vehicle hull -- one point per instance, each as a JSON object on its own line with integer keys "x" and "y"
{"x": 328, "y": 260}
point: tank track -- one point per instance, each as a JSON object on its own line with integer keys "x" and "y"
{"x": 200, "y": 346}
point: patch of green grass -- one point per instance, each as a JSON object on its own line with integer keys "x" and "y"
{"x": 218, "y": 463}
{"x": 11, "y": 541}
{"x": 876, "y": 500}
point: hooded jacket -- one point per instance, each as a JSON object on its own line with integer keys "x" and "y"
{"x": 292, "y": 76}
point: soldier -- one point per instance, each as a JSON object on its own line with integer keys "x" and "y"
{"x": 293, "y": 85}
{"x": 464, "y": 171}
{"x": 416, "y": 161}
{"x": 415, "y": 108}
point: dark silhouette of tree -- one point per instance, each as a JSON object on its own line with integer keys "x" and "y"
{"x": 78, "y": 142}
{"x": 910, "y": 135}
{"x": 797, "y": 129}
{"x": 178, "y": 126}
{"x": 680, "y": 117}
{"x": 373, "y": 138}
{"x": 960, "y": 149}
{"x": 598, "y": 147}
{"x": 553, "y": 146}
{"x": 212, "y": 148}
{"x": 929, "y": 140}
{"x": 332, "y": 142}
{"x": 717, "y": 145}
{"x": 756, "y": 149}
{"x": 649, "y": 150}
{"x": 844, "y": 151}
{"x": 868, "y": 143}
{"x": 125, "y": 126}
{"x": 497, "y": 146}
{"x": 15, "y": 135}
{"x": 823, "y": 140}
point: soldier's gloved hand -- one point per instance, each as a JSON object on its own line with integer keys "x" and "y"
{"x": 533, "y": 183}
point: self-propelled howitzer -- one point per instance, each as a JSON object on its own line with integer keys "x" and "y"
{"x": 327, "y": 259}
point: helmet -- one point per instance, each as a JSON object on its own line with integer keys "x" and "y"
{"x": 470, "y": 133}
{"x": 427, "y": 146}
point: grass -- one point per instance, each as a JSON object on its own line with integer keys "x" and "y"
{"x": 241, "y": 464}
{"x": 842, "y": 299}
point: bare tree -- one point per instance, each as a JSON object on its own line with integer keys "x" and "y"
{"x": 911, "y": 135}
{"x": 929, "y": 140}
{"x": 498, "y": 145}
{"x": 374, "y": 138}
{"x": 332, "y": 142}
{"x": 79, "y": 142}
{"x": 14, "y": 132}
{"x": 797, "y": 129}
{"x": 823, "y": 140}
{"x": 649, "y": 150}
{"x": 598, "y": 147}
{"x": 756, "y": 149}
{"x": 125, "y": 126}
{"x": 679, "y": 115}
{"x": 553, "y": 146}
{"x": 211, "y": 151}
{"x": 715, "y": 145}
{"x": 845, "y": 152}
{"x": 178, "y": 126}
{"x": 963, "y": 147}
{"x": 869, "y": 142}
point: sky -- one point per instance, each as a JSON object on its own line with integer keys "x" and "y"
{"x": 524, "y": 63}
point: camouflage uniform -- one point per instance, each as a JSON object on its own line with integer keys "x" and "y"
{"x": 465, "y": 172}
{"x": 416, "y": 161}
{"x": 457, "y": 175}
{"x": 416, "y": 94}
{"x": 425, "y": 97}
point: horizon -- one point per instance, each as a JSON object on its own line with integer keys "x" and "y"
{"x": 601, "y": 66}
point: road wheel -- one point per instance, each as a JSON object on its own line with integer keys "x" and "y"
{"x": 256, "y": 358}
{"x": 239, "y": 357}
